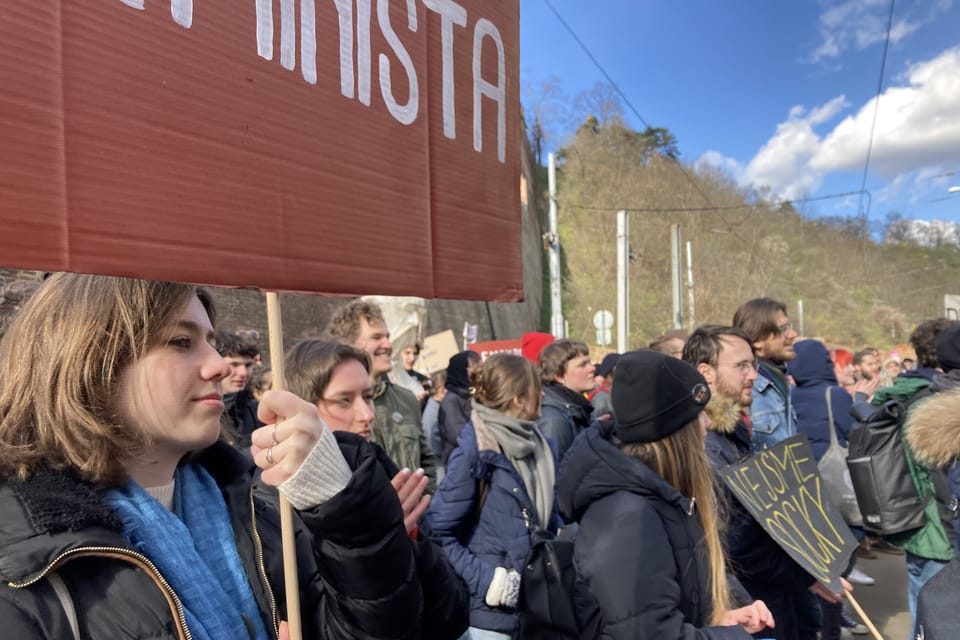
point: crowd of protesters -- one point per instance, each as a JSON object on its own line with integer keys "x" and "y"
{"x": 143, "y": 456}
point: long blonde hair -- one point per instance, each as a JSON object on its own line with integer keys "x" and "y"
{"x": 60, "y": 366}
{"x": 682, "y": 461}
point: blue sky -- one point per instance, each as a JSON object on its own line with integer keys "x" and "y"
{"x": 778, "y": 93}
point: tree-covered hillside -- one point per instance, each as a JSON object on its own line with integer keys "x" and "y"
{"x": 855, "y": 289}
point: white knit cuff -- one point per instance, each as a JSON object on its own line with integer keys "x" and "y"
{"x": 323, "y": 474}
{"x": 504, "y": 589}
{"x": 511, "y": 593}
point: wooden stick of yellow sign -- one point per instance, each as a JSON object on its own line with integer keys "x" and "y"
{"x": 275, "y": 329}
{"x": 863, "y": 616}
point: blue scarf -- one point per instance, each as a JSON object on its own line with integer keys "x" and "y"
{"x": 195, "y": 551}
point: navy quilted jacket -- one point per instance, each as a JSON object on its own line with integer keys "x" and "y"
{"x": 498, "y": 538}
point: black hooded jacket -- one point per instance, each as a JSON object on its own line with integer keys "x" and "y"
{"x": 759, "y": 563}
{"x": 813, "y": 372}
{"x": 640, "y": 554}
{"x": 455, "y": 407}
{"x": 357, "y": 569}
{"x": 239, "y": 418}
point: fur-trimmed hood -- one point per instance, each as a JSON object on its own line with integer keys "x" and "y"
{"x": 933, "y": 429}
{"x": 724, "y": 413}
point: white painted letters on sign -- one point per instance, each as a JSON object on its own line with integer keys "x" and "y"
{"x": 180, "y": 10}
{"x": 405, "y": 114}
{"x": 354, "y": 23}
{"x": 482, "y": 88}
{"x": 450, "y": 14}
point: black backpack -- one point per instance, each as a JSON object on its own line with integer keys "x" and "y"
{"x": 888, "y": 497}
{"x": 546, "y": 603}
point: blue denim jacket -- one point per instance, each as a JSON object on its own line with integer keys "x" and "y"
{"x": 769, "y": 416}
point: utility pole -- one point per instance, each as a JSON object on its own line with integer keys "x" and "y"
{"x": 676, "y": 275}
{"x": 552, "y": 239}
{"x": 690, "y": 284}
{"x": 800, "y": 317}
{"x": 623, "y": 282}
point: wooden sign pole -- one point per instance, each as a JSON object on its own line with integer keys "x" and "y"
{"x": 275, "y": 329}
{"x": 863, "y": 616}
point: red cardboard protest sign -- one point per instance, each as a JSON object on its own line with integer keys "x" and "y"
{"x": 348, "y": 146}
{"x": 487, "y": 349}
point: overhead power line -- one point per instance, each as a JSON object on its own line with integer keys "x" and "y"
{"x": 596, "y": 63}
{"x": 876, "y": 107}
{"x": 633, "y": 109}
{"x": 732, "y": 207}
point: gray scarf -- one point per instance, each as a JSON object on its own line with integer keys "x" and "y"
{"x": 526, "y": 449}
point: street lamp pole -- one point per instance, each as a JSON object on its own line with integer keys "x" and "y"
{"x": 557, "y": 325}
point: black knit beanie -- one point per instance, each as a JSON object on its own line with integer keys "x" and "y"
{"x": 654, "y": 395}
{"x": 948, "y": 348}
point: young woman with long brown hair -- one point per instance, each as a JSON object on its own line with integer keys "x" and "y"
{"x": 125, "y": 517}
{"x": 649, "y": 559}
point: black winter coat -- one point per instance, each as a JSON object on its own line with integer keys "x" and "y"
{"x": 762, "y": 566}
{"x": 455, "y": 407}
{"x": 446, "y": 600}
{"x": 938, "y": 617}
{"x": 453, "y": 416}
{"x": 239, "y": 418}
{"x": 640, "y": 555}
{"x": 357, "y": 568}
{"x": 752, "y": 552}
{"x": 563, "y": 415}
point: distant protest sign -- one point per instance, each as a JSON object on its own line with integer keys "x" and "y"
{"x": 490, "y": 347}
{"x": 437, "y": 351}
{"x": 348, "y": 146}
{"x": 782, "y": 490}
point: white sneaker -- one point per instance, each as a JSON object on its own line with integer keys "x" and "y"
{"x": 859, "y": 577}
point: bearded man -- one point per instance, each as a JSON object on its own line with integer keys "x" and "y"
{"x": 724, "y": 356}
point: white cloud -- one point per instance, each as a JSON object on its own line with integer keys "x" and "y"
{"x": 920, "y": 187}
{"x": 783, "y": 163}
{"x": 827, "y": 111}
{"x": 917, "y": 125}
{"x": 858, "y": 24}
{"x": 895, "y": 190}
{"x": 917, "y": 137}
{"x": 726, "y": 164}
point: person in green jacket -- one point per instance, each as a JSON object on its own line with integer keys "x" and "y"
{"x": 931, "y": 546}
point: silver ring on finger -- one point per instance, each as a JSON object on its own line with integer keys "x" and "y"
{"x": 270, "y": 459}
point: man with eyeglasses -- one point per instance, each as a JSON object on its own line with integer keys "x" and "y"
{"x": 724, "y": 357}
{"x": 771, "y": 335}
